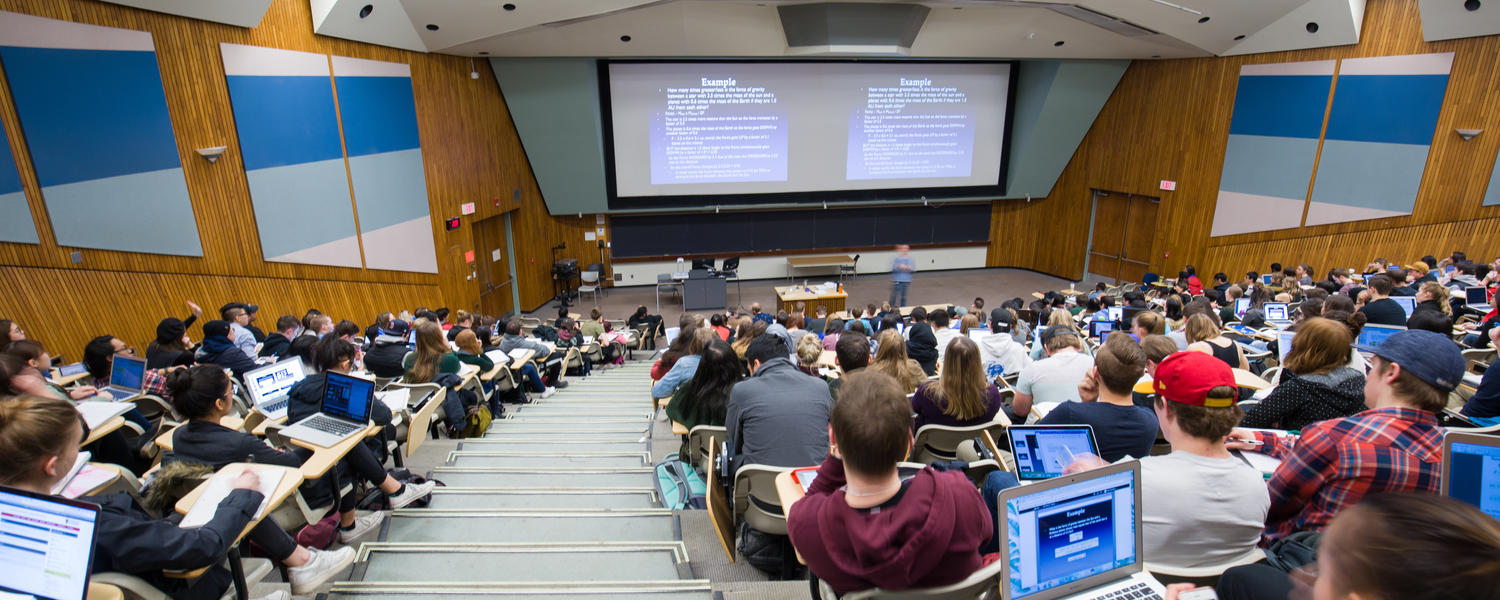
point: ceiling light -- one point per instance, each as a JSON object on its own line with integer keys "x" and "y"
{"x": 431, "y": 27}
{"x": 1058, "y": 43}
{"x": 365, "y": 12}
{"x": 1471, "y": 5}
{"x": 1203, "y": 20}
{"x": 1178, "y": 7}
{"x": 509, "y": 7}
{"x": 624, "y": 38}
{"x": 1312, "y": 26}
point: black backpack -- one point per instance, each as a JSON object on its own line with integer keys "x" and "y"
{"x": 545, "y": 332}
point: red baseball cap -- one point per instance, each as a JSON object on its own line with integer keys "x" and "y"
{"x": 1187, "y": 377}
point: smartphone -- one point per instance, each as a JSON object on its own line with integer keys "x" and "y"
{"x": 1203, "y": 593}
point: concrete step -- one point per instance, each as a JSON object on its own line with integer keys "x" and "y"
{"x": 560, "y": 435}
{"x": 547, "y": 461}
{"x": 506, "y": 498}
{"x": 507, "y": 427}
{"x": 558, "y": 444}
{"x": 575, "y": 477}
{"x": 697, "y": 589}
{"x": 516, "y": 563}
{"x": 527, "y": 526}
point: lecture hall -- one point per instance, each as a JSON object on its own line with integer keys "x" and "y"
{"x": 749, "y": 299}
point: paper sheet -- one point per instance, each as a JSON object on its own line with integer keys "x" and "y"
{"x": 96, "y": 413}
{"x": 397, "y": 400}
{"x": 518, "y": 353}
{"x": 497, "y": 356}
{"x": 218, "y": 489}
{"x": 87, "y": 480}
{"x": 78, "y": 464}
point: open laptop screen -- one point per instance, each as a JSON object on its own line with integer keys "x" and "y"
{"x": 46, "y": 544}
{"x": 1275, "y": 311}
{"x": 1408, "y": 304}
{"x": 1240, "y": 306}
{"x": 1114, "y": 313}
{"x": 127, "y": 372}
{"x": 1058, "y": 535}
{"x": 1283, "y": 345}
{"x": 348, "y": 397}
{"x": 1475, "y": 295}
{"x": 274, "y": 381}
{"x": 1373, "y": 335}
{"x": 1042, "y": 452}
{"x": 1473, "y": 474}
{"x": 1099, "y": 328}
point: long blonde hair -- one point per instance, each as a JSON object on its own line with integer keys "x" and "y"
{"x": 32, "y": 428}
{"x": 891, "y": 359}
{"x": 430, "y": 350}
{"x": 961, "y": 389}
{"x": 468, "y": 342}
{"x": 1439, "y": 295}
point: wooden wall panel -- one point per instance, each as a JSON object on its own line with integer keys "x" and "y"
{"x": 1170, "y": 120}
{"x": 469, "y": 145}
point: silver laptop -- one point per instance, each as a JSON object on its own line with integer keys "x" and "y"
{"x": 1471, "y": 470}
{"x": 1076, "y": 536}
{"x": 1475, "y": 299}
{"x": 270, "y": 385}
{"x": 127, "y": 377}
{"x": 1372, "y": 335}
{"x": 1043, "y": 451}
{"x": 1276, "y": 313}
{"x": 345, "y": 412}
{"x": 47, "y": 543}
{"x": 1408, "y": 304}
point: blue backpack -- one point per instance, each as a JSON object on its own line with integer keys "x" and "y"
{"x": 678, "y": 485}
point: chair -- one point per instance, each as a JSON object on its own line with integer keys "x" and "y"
{"x": 1477, "y": 356}
{"x": 590, "y": 284}
{"x": 731, "y": 270}
{"x": 701, "y": 439}
{"x": 986, "y": 579}
{"x": 418, "y": 420}
{"x": 940, "y": 442}
{"x": 664, "y": 281}
{"x": 850, "y": 269}
{"x": 135, "y": 588}
{"x": 758, "y": 505}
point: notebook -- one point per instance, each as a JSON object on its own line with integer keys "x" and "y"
{"x": 1076, "y": 536}
{"x": 1471, "y": 470}
{"x": 1043, "y": 451}
{"x": 48, "y": 547}
{"x": 219, "y": 486}
{"x": 270, "y": 385}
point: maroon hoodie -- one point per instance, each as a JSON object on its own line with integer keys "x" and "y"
{"x": 930, "y": 537}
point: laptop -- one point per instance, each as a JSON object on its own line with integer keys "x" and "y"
{"x": 270, "y": 385}
{"x": 1475, "y": 299}
{"x": 1043, "y": 451}
{"x": 345, "y": 411}
{"x": 48, "y": 544}
{"x": 1240, "y": 306}
{"x": 1372, "y": 335}
{"x": 1266, "y": 279}
{"x": 1408, "y": 304}
{"x": 1276, "y": 313}
{"x": 1283, "y": 345}
{"x": 127, "y": 375}
{"x": 1471, "y": 470}
{"x": 978, "y": 334}
{"x": 1114, "y": 313}
{"x": 71, "y": 369}
{"x": 1098, "y": 329}
{"x": 1077, "y": 537}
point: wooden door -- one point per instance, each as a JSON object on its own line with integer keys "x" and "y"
{"x": 492, "y": 266}
{"x": 1140, "y": 232}
{"x": 1124, "y": 229}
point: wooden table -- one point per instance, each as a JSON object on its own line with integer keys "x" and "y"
{"x": 324, "y": 457}
{"x": 828, "y": 358}
{"x": 516, "y": 362}
{"x": 679, "y": 428}
{"x": 788, "y": 297}
{"x": 164, "y": 439}
{"x": 809, "y": 262}
{"x": 104, "y": 429}
{"x": 67, "y": 380}
{"x": 1246, "y": 379}
{"x": 284, "y": 488}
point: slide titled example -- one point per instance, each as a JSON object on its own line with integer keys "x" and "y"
{"x": 707, "y": 128}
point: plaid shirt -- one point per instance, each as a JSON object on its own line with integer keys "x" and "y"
{"x": 1336, "y": 462}
{"x": 152, "y": 383}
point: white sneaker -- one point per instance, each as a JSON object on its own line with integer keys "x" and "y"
{"x": 412, "y": 493}
{"x": 548, "y": 392}
{"x": 323, "y": 566}
{"x": 362, "y": 526}
{"x": 276, "y": 595}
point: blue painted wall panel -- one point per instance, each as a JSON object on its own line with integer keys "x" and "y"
{"x": 1394, "y": 109}
{"x": 1280, "y": 105}
{"x": 379, "y": 114}
{"x": 91, "y": 114}
{"x": 284, "y": 120}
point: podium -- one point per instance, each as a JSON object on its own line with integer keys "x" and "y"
{"x": 704, "y": 290}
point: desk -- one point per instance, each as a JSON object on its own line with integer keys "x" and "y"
{"x": 516, "y": 362}
{"x": 104, "y": 429}
{"x": 489, "y": 375}
{"x": 679, "y": 428}
{"x": 828, "y": 359}
{"x": 1246, "y": 379}
{"x": 788, "y": 297}
{"x": 67, "y": 380}
{"x": 324, "y": 457}
{"x": 809, "y": 262}
{"x": 103, "y": 591}
{"x": 284, "y": 489}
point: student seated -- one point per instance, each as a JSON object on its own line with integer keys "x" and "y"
{"x": 1484, "y": 405}
{"x": 921, "y": 342}
{"x": 890, "y": 358}
{"x": 861, "y": 525}
{"x": 684, "y": 367}
{"x": 388, "y": 350}
{"x": 219, "y": 348}
{"x": 170, "y": 348}
{"x": 851, "y": 356}
{"x": 941, "y": 330}
{"x": 569, "y": 336}
{"x": 999, "y": 351}
{"x": 127, "y": 447}
{"x": 611, "y": 344}
{"x": 1316, "y": 383}
{"x": 463, "y": 321}
{"x": 962, "y": 396}
{"x": 1121, "y": 428}
{"x": 704, "y": 399}
{"x": 679, "y": 345}
{"x": 1395, "y": 446}
{"x": 38, "y": 445}
{"x": 778, "y": 416}
{"x": 1407, "y": 546}
{"x": 280, "y": 341}
{"x": 470, "y": 352}
{"x": 1204, "y": 336}
{"x": 1054, "y": 378}
{"x": 1381, "y": 309}
{"x": 433, "y": 356}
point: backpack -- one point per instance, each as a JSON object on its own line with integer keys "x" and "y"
{"x": 477, "y": 422}
{"x": 322, "y": 534}
{"x": 376, "y": 499}
{"x": 545, "y": 333}
{"x": 1293, "y": 551}
{"x": 678, "y": 485}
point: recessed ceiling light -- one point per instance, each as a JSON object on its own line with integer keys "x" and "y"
{"x": 1239, "y": 37}
{"x": 509, "y": 7}
{"x": 624, "y": 38}
{"x": 1471, "y": 5}
{"x": 1156, "y": 56}
{"x": 366, "y": 10}
{"x": 1203, "y": 19}
{"x": 1312, "y": 26}
{"x": 484, "y": 53}
{"x": 431, "y": 27}
{"x": 1058, "y": 43}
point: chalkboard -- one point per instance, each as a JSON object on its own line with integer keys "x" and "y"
{"x": 671, "y": 235}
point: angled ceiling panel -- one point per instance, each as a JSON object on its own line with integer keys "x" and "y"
{"x": 244, "y": 13}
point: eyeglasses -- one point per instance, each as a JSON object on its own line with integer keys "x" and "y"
{"x": 126, "y": 351}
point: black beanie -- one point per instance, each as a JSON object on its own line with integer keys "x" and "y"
{"x": 170, "y": 330}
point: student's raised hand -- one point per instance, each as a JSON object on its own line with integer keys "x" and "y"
{"x": 1084, "y": 462}
{"x": 1177, "y": 588}
{"x": 1240, "y": 439}
{"x": 248, "y": 480}
{"x": 194, "y": 308}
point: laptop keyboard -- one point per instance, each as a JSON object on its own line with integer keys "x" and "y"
{"x": 1138, "y": 591}
{"x": 274, "y": 406}
{"x": 333, "y": 426}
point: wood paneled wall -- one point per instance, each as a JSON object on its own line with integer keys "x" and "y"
{"x": 1170, "y": 120}
{"x": 471, "y": 154}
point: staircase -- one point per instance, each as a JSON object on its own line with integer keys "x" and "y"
{"x": 557, "y": 500}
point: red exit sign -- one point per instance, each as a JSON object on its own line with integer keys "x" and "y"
{"x": 1168, "y": 185}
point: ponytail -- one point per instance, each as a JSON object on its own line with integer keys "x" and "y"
{"x": 32, "y": 428}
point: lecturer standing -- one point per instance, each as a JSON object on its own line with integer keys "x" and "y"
{"x": 902, "y": 268}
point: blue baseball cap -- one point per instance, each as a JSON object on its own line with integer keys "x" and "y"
{"x": 1430, "y": 356}
{"x": 397, "y": 327}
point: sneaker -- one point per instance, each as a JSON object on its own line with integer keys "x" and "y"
{"x": 276, "y": 595}
{"x": 560, "y": 384}
{"x": 412, "y": 493}
{"x": 324, "y": 565}
{"x": 362, "y": 526}
{"x": 548, "y": 392}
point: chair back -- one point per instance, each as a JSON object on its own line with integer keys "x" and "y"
{"x": 986, "y": 579}
{"x": 940, "y": 442}
{"x": 756, "y": 500}
{"x": 590, "y": 276}
{"x": 701, "y": 439}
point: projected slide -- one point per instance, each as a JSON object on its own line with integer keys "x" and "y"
{"x": 712, "y": 128}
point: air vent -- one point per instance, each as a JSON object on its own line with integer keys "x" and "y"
{"x": 1099, "y": 19}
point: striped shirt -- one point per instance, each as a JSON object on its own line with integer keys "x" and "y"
{"x": 1337, "y": 462}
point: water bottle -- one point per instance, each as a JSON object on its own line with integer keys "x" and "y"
{"x": 681, "y": 266}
